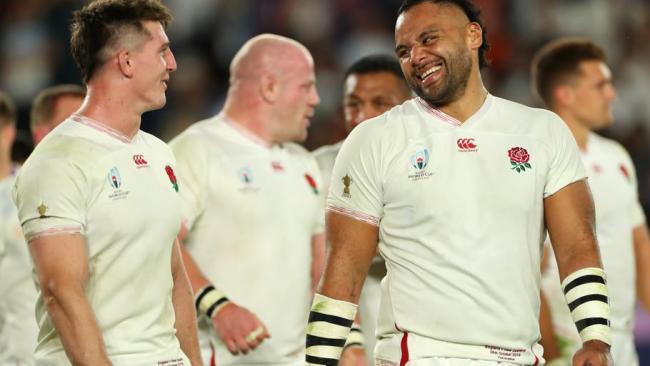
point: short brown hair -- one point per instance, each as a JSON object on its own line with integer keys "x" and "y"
{"x": 7, "y": 110}
{"x": 102, "y": 23}
{"x": 43, "y": 105}
{"x": 558, "y": 61}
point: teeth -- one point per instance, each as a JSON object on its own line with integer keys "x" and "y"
{"x": 430, "y": 71}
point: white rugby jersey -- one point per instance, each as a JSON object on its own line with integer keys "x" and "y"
{"x": 325, "y": 157}
{"x": 122, "y": 196}
{"x": 251, "y": 210}
{"x": 460, "y": 214}
{"x": 613, "y": 183}
{"x": 18, "y": 328}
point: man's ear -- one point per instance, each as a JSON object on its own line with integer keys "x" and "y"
{"x": 474, "y": 35}
{"x": 269, "y": 88}
{"x": 563, "y": 95}
{"x": 125, "y": 63}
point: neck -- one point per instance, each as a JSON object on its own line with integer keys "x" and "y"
{"x": 470, "y": 101}
{"x": 112, "y": 109}
{"x": 579, "y": 131}
{"x": 249, "y": 117}
{"x": 6, "y": 165}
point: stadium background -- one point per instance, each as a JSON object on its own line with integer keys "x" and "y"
{"x": 34, "y": 53}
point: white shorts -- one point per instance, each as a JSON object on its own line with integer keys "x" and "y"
{"x": 444, "y": 361}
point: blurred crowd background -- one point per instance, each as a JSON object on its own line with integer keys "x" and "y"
{"x": 34, "y": 53}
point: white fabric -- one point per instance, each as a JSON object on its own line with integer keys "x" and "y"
{"x": 86, "y": 178}
{"x": 460, "y": 229}
{"x": 613, "y": 184}
{"x": 371, "y": 292}
{"x": 251, "y": 213}
{"x": 18, "y": 328}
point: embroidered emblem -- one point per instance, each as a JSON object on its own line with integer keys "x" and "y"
{"x": 623, "y": 170}
{"x": 420, "y": 159}
{"x": 114, "y": 178}
{"x": 519, "y": 158}
{"x": 347, "y": 181}
{"x": 466, "y": 145}
{"x": 312, "y": 183}
{"x": 172, "y": 177}
{"x": 42, "y": 208}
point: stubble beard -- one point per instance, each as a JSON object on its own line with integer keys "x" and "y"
{"x": 453, "y": 85}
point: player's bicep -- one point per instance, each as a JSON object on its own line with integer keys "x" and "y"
{"x": 351, "y": 245}
{"x": 61, "y": 263}
{"x": 569, "y": 216}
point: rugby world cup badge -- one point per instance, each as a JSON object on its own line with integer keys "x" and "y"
{"x": 245, "y": 175}
{"x": 420, "y": 161}
{"x": 115, "y": 181}
{"x": 114, "y": 178}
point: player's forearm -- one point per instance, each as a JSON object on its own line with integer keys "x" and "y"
{"x": 642, "y": 258}
{"x": 317, "y": 259}
{"x": 570, "y": 220}
{"x": 351, "y": 246}
{"x": 196, "y": 277}
{"x": 186, "y": 326}
{"x": 185, "y": 315}
{"x": 75, "y": 323}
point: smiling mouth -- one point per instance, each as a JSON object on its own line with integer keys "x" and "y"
{"x": 429, "y": 72}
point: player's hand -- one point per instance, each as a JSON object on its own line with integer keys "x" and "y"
{"x": 353, "y": 356}
{"x": 239, "y": 329}
{"x": 593, "y": 353}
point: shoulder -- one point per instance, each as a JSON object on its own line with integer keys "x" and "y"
{"x": 327, "y": 152}
{"x": 195, "y": 137}
{"x": 610, "y": 147}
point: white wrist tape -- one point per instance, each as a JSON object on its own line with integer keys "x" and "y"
{"x": 209, "y": 301}
{"x": 355, "y": 337}
{"x": 585, "y": 291}
{"x": 328, "y": 328}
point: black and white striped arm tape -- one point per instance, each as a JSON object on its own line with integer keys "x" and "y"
{"x": 355, "y": 337}
{"x": 329, "y": 324}
{"x": 585, "y": 291}
{"x": 209, "y": 301}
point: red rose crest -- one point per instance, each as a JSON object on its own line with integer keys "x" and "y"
{"x": 312, "y": 183}
{"x": 519, "y": 158}
{"x": 172, "y": 177}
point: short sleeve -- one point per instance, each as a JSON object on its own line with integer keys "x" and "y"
{"x": 192, "y": 173}
{"x": 51, "y": 198}
{"x": 566, "y": 165}
{"x": 355, "y": 187}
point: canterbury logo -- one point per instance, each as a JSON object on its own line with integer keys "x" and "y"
{"x": 139, "y": 160}
{"x": 466, "y": 144}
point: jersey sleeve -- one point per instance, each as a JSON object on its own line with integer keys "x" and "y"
{"x": 566, "y": 165}
{"x": 637, "y": 214}
{"x": 355, "y": 187}
{"x": 192, "y": 172}
{"x": 319, "y": 220}
{"x": 51, "y": 198}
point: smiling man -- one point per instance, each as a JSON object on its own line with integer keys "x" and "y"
{"x": 102, "y": 225}
{"x": 458, "y": 188}
{"x": 372, "y": 85}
